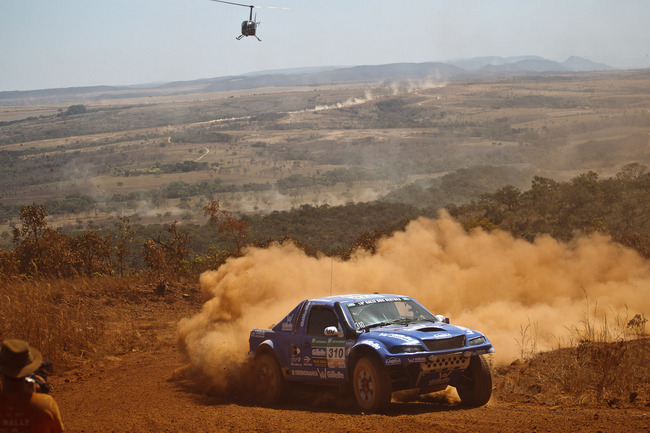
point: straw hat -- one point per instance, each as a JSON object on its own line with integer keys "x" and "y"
{"x": 18, "y": 358}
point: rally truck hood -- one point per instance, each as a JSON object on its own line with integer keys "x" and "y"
{"x": 431, "y": 336}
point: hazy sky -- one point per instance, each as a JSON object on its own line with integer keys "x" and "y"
{"x": 70, "y": 43}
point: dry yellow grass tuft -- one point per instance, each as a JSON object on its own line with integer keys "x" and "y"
{"x": 605, "y": 365}
{"x": 78, "y": 319}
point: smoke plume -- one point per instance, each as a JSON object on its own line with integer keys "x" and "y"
{"x": 519, "y": 294}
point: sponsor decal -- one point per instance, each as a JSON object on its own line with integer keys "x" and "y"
{"x": 327, "y": 341}
{"x": 322, "y": 373}
{"x": 378, "y": 301}
{"x": 304, "y": 373}
{"x": 417, "y": 360}
{"x": 307, "y": 360}
{"x": 442, "y": 375}
{"x": 335, "y": 375}
{"x": 393, "y": 361}
{"x": 287, "y": 325}
{"x": 332, "y": 349}
{"x": 441, "y": 335}
{"x": 364, "y": 296}
{"x": 401, "y": 337}
{"x": 258, "y": 333}
{"x": 319, "y": 362}
{"x": 304, "y": 315}
{"x": 331, "y": 331}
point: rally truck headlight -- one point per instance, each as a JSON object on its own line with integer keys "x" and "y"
{"x": 407, "y": 349}
{"x": 476, "y": 341}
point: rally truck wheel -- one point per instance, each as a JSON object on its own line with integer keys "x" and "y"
{"x": 371, "y": 384}
{"x": 475, "y": 385}
{"x": 269, "y": 383}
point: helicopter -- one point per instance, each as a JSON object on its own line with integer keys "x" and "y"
{"x": 249, "y": 27}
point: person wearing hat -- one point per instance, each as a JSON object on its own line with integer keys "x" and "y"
{"x": 21, "y": 408}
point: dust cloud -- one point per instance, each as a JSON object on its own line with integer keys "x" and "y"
{"x": 393, "y": 88}
{"x": 523, "y": 296}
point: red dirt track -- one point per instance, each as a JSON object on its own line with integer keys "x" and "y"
{"x": 149, "y": 391}
{"x": 139, "y": 392}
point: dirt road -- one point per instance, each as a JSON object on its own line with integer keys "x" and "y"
{"x": 139, "y": 392}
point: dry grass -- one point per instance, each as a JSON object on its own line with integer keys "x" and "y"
{"x": 79, "y": 319}
{"x": 46, "y": 315}
{"x": 607, "y": 362}
{"x": 613, "y": 374}
{"x": 76, "y": 320}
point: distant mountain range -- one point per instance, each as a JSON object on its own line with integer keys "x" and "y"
{"x": 472, "y": 68}
{"x": 500, "y": 65}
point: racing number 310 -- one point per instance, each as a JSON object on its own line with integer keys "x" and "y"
{"x": 335, "y": 352}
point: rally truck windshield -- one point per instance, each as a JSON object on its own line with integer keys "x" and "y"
{"x": 371, "y": 313}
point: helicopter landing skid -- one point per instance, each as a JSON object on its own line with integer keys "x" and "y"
{"x": 241, "y": 36}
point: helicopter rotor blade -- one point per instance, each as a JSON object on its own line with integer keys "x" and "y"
{"x": 233, "y": 3}
{"x": 250, "y": 6}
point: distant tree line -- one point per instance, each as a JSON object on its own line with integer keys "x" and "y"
{"x": 178, "y": 167}
{"x": 617, "y": 206}
{"x": 44, "y": 252}
{"x": 74, "y": 109}
{"x": 329, "y": 178}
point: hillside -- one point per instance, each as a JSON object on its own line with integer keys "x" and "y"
{"x": 325, "y": 76}
{"x": 269, "y": 149}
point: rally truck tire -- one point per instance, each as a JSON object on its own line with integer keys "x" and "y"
{"x": 269, "y": 383}
{"x": 371, "y": 385}
{"x": 475, "y": 385}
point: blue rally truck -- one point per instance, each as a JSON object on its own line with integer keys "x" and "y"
{"x": 375, "y": 344}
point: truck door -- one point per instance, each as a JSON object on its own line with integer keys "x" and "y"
{"x": 319, "y": 356}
